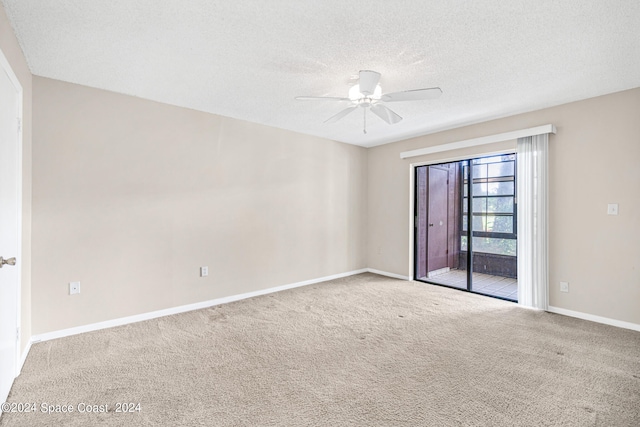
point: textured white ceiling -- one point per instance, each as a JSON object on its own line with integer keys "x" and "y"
{"x": 248, "y": 59}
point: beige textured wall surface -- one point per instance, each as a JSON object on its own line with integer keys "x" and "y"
{"x": 594, "y": 160}
{"x": 12, "y": 51}
{"x": 131, "y": 197}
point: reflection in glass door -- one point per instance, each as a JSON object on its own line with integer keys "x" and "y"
{"x": 474, "y": 252}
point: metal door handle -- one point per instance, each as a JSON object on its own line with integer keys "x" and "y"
{"x": 10, "y": 261}
{"x": 430, "y": 225}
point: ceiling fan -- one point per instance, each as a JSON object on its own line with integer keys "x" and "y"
{"x": 368, "y": 95}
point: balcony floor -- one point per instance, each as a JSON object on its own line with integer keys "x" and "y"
{"x": 498, "y": 286}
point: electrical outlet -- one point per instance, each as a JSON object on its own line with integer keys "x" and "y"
{"x": 74, "y": 288}
{"x": 204, "y": 271}
{"x": 564, "y": 286}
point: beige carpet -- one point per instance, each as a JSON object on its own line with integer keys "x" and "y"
{"x": 359, "y": 351}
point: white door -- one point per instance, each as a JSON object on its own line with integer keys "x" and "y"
{"x": 10, "y": 212}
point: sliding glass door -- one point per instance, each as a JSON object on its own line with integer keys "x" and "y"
{"x": 474, "y": 252}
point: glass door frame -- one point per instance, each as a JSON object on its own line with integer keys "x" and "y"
{"x": 469, "y": 232}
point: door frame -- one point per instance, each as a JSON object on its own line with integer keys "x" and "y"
{"x": 412, "y": 194}
{"x": 6, "y": 67}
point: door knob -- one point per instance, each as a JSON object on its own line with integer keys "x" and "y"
{"x": 10, "y": 261}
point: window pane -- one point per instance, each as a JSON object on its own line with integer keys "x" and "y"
{"x": 479, "y": 189}
{"x": 500, "y": 188}
{"x": 479, "y": 223}
{"x": 465, "y": 204}
{"x": 466, "y": 190}
{"x": 494, "y": 246}
{"x": 499, "y": 204}
{"x": 463, "y": 243}
{"x": 464, "y": 223}
{"x": 479, "y": 171}
{"x": 500, "y": 169}
{"x": 500, "y": 224}
{"x": 479, "y": 204}
{"x": 492, "y": 159}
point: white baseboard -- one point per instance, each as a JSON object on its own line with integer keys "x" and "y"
{"x": 25, "y": 353}
{"x": 594, "y": 318}
{"x": 384, "y": 273}
{"x": 180, "y": 309}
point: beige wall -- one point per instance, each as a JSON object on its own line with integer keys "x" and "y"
{"x": 131, "y": 197}
{"x": 12, "y": 51}
{"x": 594, "y": 160}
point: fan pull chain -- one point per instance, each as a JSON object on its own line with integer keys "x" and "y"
{"x": 365, "y": 121}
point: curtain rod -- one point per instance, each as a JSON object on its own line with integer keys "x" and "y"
{"x": 507, "y": 136}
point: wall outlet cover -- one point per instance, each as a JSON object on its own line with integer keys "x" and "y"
{"x": 204, "y": 271}
{"x": 564, "y": 286}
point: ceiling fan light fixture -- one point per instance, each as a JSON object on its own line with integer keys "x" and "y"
{"x": 355, "y": 95}
{"x": 367, "y": 94}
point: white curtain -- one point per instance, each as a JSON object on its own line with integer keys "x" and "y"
{"x": 533, "y": 231}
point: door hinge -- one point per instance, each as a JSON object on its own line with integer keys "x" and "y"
{"x": 19, "y": 124}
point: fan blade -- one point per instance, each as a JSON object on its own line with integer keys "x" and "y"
{"x": 341, "y": 114}
{"x": 413, "y": 95}
{"x": 368, "y": 81}
{"x": 385, "y": 114}
{"x": 315, "y": 98}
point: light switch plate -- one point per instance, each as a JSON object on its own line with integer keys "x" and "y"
{"x": 612, "y": 209}
{"x": 74, "y": 288}
{"x": 564, "y": 286}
